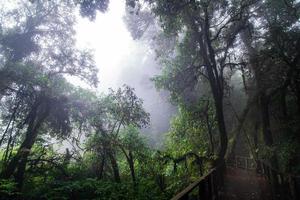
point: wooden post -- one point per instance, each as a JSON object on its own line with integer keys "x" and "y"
{"x": 185, "y": 197}
{"x": 215, "y": 185}
{"x": 209, "y": 187}
{"x": 201, "y": 190}
{"x": 295, "y": 187}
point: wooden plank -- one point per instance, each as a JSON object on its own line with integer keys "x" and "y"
{"x": 192, "y": 186}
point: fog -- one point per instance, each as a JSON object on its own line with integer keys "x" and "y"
{"x": 122, "y": 60}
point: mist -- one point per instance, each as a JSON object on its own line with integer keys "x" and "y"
{"x": 137, "y": 72}
{"x": 123, "y": 60}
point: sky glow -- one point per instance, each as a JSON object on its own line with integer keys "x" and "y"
{"x": 110, "y": 40}
{"x": 122, "y": 60}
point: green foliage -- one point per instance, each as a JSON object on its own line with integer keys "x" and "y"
{"x": 185, "y": 135}
{"x": 93, "y": 189}
{"x": 212, "y": 42}
{"x": 89, "y": 8}
{"x": 287, "y": 152}
{"x": 131, "y": 139}
{"x": 8, "y": 189}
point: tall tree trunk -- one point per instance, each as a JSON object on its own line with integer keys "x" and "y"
{"x": 255, "y": 142}
{"x": 283, "y": 107}
{"x": 5, "y": 156}
{"x": 298, "y": 97}
{"x": 11, "y": 120}
{"x": 215, "y": 79}
{"x": 36, "y": 118}
{"x": 222, "y": 129}
{"x": 208, "y": 55}
{"x": 260, "y": 87}
{"x": 130, "y": 161}
{"x": 268, "y": 139}
{"x": 19, "y": 176}
{"x": 238, "y": 130}
{"x": 101, "y": 167}
{"x": 131, "y": 167}
{"x": 255, "y": 139}
{"x": 114, "y": 165}
{"x": 209, "y": 130}
{"x": 265, "y": 117}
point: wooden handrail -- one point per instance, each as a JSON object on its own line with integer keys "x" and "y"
{"x": 242, "y": 162}
{"x": 208, "y": 185}
{"x": 192, "y": 186}
{"x": 284, "y": 186}
{"x": 263, "y": 165}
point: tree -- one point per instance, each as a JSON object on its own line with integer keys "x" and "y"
{"x": 209, "y": 30}
{"x": 89, "y": 8}
{"x": 36, "y": 77}
{"x": 49, "y": 110}
{"x": 270, "y": 49}
{"x": 109, "y": 115}
{"x": 132, "y": 146}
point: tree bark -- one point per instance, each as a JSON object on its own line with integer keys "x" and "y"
{"x": 238, "y": 129}
{"x": 114, "y": 165}
{"x": 265, "y": 117}
{"x": 11, "y": 120}
{"x": 131, "y": 167}
{"x": 37, "y": 116}
{"x": 209, "y": 129}
{"x": 130, "y": 161}
{"x": 101, "y": 168}
{"x": 208, "y": 55}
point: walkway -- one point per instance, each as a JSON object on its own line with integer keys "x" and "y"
{"x": 240, "y": 181}
{"x": 241, "y": 184}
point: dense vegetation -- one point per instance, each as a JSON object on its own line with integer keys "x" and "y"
{"x": 232, "y": 68}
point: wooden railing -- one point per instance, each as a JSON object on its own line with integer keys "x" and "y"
{"x": 283, "y": 185}
{"x": 241, "y": 162}
{"x": 206, "y": 187}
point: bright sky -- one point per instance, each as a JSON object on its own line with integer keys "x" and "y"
{"x": 111, "y": 41}
{"x": 121, "y": 59}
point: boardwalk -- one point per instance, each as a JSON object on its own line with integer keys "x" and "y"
{"x": 239, "y": 180}
{"x": 244, "y": 184}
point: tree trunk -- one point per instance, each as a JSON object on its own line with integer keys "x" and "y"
{"x": 10, "y": 138}
{"x": 222, "y": 129}
{"x": 19, "y": 176}
{"x": 131, "y": 166}
{"x": 114, "y": 165}
{"x": 298, "y": 97}
{"x": 207, "y": 53}
{"x": 11, "y": 120}
{"x": 35, "y": 121}
{"x": 260, "y": 87}
{"x": 209, "y": 130}
{"x": 283, "y": 107}
{"x": 265, "y": 117}
{"x": 239, "y": 127}
{"x": 211, "y": 139}
{"x": 255, "y": 140}
{"x": 215, "y": 80}
{"x": 130, "y": 161}
{"x": 101, "y": 168}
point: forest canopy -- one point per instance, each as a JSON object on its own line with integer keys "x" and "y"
{"x": 231, "y": 68}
